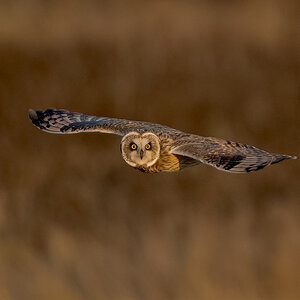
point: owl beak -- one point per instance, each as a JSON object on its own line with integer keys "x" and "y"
{"x": 141, "y": 154}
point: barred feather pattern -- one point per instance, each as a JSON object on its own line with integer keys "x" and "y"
{"x": 229, "y": 156}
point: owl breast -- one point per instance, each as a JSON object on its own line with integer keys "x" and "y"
{"x": 168, "y": 162}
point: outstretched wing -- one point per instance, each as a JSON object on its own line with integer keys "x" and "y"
{"x": 228, "y": 156}
{"x": 65, "y": 122}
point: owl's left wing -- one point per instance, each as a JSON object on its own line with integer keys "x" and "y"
{"x": 228, "y": 156}
{"x": 65, "y": 122}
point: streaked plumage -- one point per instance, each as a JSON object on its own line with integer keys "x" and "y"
{"x": 169, "y": 149}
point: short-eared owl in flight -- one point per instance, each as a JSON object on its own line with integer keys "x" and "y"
{"x": 153, "y": 148}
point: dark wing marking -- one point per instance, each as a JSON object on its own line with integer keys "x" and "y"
{"x": 65, "y": 122}
{"x": 228, "y": 156}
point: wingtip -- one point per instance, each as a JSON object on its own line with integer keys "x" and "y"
{"x": 32, "y": 114}
{"x": 290, "y": 157}
{"x": 280, "y": 157}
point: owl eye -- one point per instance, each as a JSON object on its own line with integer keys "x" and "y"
{"x": 148, "y": 146}
{"x": 133, "y": 146}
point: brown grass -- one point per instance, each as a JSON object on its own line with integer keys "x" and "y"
{"x": 76, "y": 222}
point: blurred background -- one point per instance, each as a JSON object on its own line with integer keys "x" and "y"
{"x": 76, "y": 222}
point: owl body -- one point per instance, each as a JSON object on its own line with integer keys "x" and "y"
{"x": 167, "y": 161}
{"x": 153, "y": 148}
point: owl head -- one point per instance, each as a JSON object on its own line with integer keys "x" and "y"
{"x": 140, "y": 149}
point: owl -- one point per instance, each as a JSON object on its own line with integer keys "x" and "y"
{"x": 152, "y": 148}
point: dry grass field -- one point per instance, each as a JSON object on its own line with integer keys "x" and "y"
{"x": 76, "y": 222}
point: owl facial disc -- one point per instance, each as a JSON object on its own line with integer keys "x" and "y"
{"x": 140, "y": 150}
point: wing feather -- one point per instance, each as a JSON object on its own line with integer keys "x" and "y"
{"x": 228, "y": 156}
{"x": 66, "y": 122}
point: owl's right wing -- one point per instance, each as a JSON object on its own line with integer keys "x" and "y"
{"x": 227, "y": 156}
{"x": 66, "y": 122}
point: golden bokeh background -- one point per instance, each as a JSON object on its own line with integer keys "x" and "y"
{"x": 76, "y": 222}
